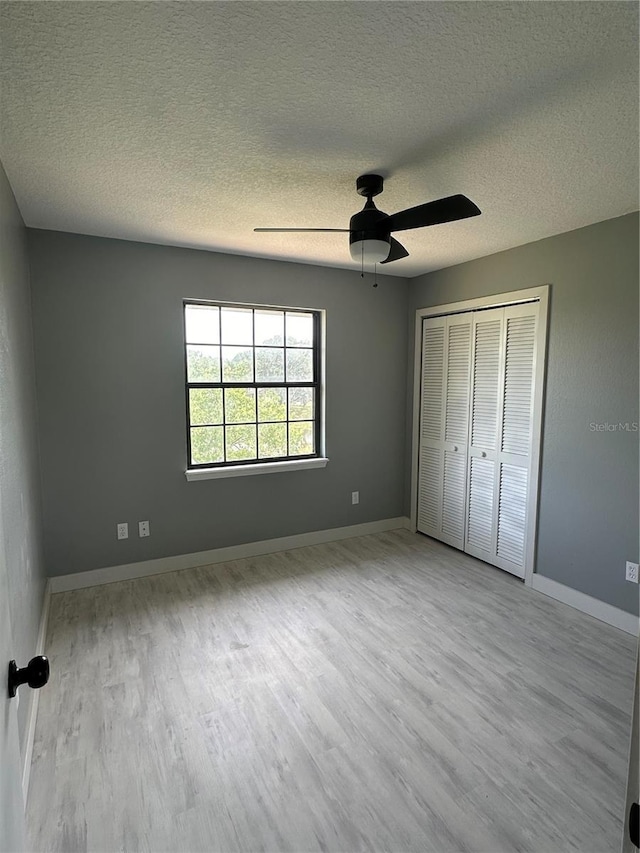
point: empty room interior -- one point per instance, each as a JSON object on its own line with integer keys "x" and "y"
{"x": 319, "y": 496}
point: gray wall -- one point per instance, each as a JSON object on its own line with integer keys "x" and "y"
{"x": 588, "y": 515}
{"x": 110, "y": 377}
{"x": 19, "y": 472}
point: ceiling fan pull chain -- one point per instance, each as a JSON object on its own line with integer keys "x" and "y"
{"x": 375, "y": 275}
{"x": 362, "y": 261}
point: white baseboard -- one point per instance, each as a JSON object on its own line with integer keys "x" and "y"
{"x": 34, "y": 697}
{"x": 598, "y": 609}
{"x": 129, "y": 571}
{"x": 62, "y": 583}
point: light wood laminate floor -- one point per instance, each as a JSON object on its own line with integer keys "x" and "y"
{"x": 386, "y": 693}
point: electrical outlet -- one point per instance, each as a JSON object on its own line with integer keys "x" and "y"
{"x": 123, "y": 530}
{"x": 143, "y": 529}
{"x": 355, "y": 497}
{"x": 632, "y": 572}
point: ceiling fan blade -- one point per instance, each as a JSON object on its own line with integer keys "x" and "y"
{"x": 397, "y": 251}
{"x": 345, "y": 230}
{"x": 448, "y": 209}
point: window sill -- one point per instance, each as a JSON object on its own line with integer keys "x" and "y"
{"x": 258, "y": 468}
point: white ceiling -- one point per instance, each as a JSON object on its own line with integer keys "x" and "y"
{"x": 190, "y": 123}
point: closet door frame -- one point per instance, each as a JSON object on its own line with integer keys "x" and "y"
{"x": 499, "y": 300}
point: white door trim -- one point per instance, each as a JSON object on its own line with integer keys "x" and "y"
{"x": 34, "y": 697}
{"x": 498, "y": 300}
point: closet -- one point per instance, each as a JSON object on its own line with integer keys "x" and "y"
{"x": 480, "y": 395}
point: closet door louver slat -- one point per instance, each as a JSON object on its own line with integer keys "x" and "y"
{"x": 430, "y": 490}
{"x": 432, "y": 387}
{"x": 512, "y": 513}
{"x": 453, "y": 497}
{"x": 480, "y": 515}
{"x": 457, "y": 384}
{"x": 486, "y": 375}
{"x": 518, "y": 385}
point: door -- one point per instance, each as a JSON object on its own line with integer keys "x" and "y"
{"x": 480, "y": 371}
{"x": 514, "y": 497}
{"x": 631, "y": 834}
{"x": 12, "y": 826}
{"x": 442, "y": 458}
{"x": 487, "y": 382}
{"x": 500, "y": 440}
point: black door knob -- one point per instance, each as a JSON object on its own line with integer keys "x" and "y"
{"x": 35, "y": 674}
{"x": 634, "y": 824}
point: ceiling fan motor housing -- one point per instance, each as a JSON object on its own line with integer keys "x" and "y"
{"x": 369, "y": 224}
{"x": 369, "y": 235}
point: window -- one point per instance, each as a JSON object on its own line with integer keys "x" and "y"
{"x": 253, "y": 384}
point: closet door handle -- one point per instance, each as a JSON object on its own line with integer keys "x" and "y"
{"x": 483, "y": 454}
{"x": 455, "y": 448}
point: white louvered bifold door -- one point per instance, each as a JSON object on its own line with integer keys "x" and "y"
{"x": 513, "y": 494}
{"x": 487, "y": 379}
{"x": 430, "y": 460}
{"x": 503, "y": 379}
{"x": 476, "y": 432}
{"x": 444, "y": 426}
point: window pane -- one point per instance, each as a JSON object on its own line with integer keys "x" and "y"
{"x": 202, "y": 324}
{"x": 299, "y": 330}
{"x": 205, "y": 406}
{"x": 269, "y": 328}
{"x": 237, "y": 326}
{"x": 272, "y": 440}
{"x": 203, "y": 364}
{"x": 239, "y": 405}
{"x": 241, "y": 442}
{"x": 300, "y": 404}
{"x": 269, "y": 364}
{"x": 206, "y": 445}
{"x": 299, "y": 365}
{"x": 234, "y": 352}
{"x": 300, "y": 438}
{"x": 272, "y": 404}
{"x": 237, "y": 364}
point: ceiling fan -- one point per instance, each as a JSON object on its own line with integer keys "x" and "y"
{"x": 370, "y": 239}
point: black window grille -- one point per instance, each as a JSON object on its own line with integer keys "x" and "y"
{"x": 252, "y": 383}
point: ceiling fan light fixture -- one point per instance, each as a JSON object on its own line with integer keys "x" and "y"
{"x": 369, "y": 251}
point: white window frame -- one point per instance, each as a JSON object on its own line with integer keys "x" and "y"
{"x": 278, "y": 466}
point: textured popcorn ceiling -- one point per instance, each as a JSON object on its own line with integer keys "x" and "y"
{"x": 190, "y": 123}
